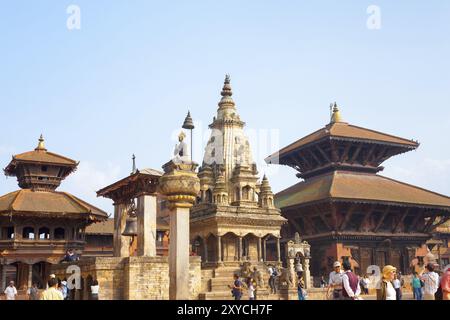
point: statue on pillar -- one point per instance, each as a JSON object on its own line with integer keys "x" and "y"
{"x": 181, "y": 152}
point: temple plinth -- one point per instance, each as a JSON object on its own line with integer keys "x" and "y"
{"x": 181, "y": 185}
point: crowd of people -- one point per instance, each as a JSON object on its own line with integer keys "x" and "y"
{"x": 346, "y": 285}
{"x": 56, "y": 290}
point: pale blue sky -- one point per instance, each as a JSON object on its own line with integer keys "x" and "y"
{"x": 123, "y": 83}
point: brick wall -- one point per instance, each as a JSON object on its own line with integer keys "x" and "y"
{"x": 132, "y": 278}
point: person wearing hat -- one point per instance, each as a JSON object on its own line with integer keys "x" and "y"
{"x": 386, "y": 290}
{"x": 335, "y": 281}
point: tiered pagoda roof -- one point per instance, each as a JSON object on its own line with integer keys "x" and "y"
{"x": 39, "y": 174}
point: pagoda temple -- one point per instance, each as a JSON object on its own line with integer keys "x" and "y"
{"x": 37, "y": 223}
{"x": 345, "y": 209}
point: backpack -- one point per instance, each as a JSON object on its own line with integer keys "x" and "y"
{"x": 422, "y": 283}
{"x": 275, "y": 273}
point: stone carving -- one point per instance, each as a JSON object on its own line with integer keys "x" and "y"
{"x": 285, "y": 279}
{"x": 181, "y": 152}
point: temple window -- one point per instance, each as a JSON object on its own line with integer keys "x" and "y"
{"x": 209, "y": 196}
{"x": 247, "y": 193}
{"x": 44, "y": 233}
{"x": 44, "y": 168}
{"x": 8, "y": 233}
{"x": 28, "y": 233}
{"x": 60, "y": 234}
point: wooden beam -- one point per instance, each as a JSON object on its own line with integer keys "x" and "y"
{"x": 303, "y": 156}
{"x": 380, "y": 222}
{"x": 366, "y": 217}
{"x": 369, "y": 155}
{"x": 322, "y": 216}
{"x": 334, "y": 215}
{"x": 347, "y": 216}
{"x": 429, "y": 223}
{"x": 344, "y": 154}
{"x": 334, "y": 152}
{"x": 401, "y": 220}
{"x": 378, "y": 156}
{"x": 441, "y": 221}
{"x": 308, "y": 221}
{"x": 414, "y": 223}
{"x": 297, "y": 163}
{"x": 314, "y": 156}
{"x": 326, "y": 157}
{"x": 355, "y": 155}
{"x": 296, "y": 226}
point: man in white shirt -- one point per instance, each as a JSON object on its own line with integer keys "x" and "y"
{"x": 11, "y": 291}
{"x": 350, "y": 282}
{"x": 431, "y": 281}
{"x": 335, "y": 281}
{"x": 398, "y": 287}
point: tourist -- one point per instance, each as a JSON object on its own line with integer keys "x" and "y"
{"x": 301, "y": 287}
{"x": 52, "y": 293}
{"x": 33, "y": 292}
{"x": 323, "y": 283}
{"x": 236, "y": 289}
{"x": 11, "y": 291}
{"x": 335, "y": 282}
{"x": 398, "y": 287}
{"x": 273, "y": 273}
{"x": 350, "y": 282}
{"x": 94, "y": 290}
{"x": 431, "y": 282}
{"x": 365, "y": 284}
{"x": 251, "y": 289}
{"x": 445, "y": 284}
{"x": 385, "y": 288}
{"x": 64, "y": 289}
{"x": 416, "y": 286}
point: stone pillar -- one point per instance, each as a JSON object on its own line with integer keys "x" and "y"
{"x": 260, "y": 258}
{"x": 3, "y": 278}
{"x": 181, "y": 186}
{"x": 219, "y": 249}
{"x": 30, "y": 275}
{"x": 265, "y": 250}
{"x": 291, "y": 267}
{"x": 179, "y": 254}
{"x": 278, "y": 250}
{"x": 205, "y": 250}
{"x": 121, "y": 243}
{"x": 240, "y": 249}
{"x": 307, "y": 275}
{"x": 146, "y": 226}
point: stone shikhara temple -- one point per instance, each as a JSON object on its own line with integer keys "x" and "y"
{"x": 38, "y": 223}
{"x": 345, "y": 209}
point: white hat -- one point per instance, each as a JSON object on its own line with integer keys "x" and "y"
{"x": 336, "y": 264}
{"x": 52, "y": 276}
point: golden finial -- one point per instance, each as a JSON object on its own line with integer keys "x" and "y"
{"x": 336, "y": 115}
{"x": 41, "y": 145}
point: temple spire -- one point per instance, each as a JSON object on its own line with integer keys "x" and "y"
{"x": 41, "y": 145}
{"x": 336, "y": 115}
{"x": 226, "y": 93}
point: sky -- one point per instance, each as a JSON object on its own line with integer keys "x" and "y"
{"x": 123, "y": 81}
